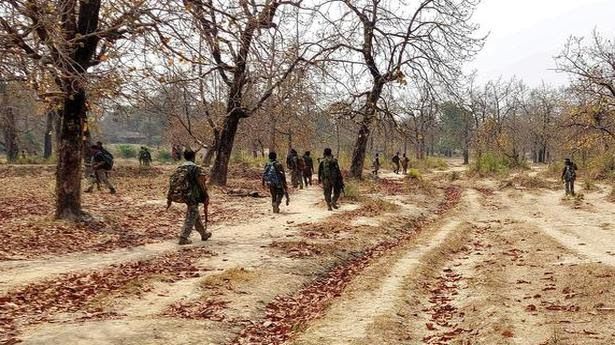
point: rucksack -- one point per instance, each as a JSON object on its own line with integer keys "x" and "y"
{"x": 271, "y": 176}
{"x": 327, "y": 165}
{"x": 107, "y": 158}
{"x": 570, "y": 173}
{"x": 300, "y": 164}
{"x": 182, "y": 184}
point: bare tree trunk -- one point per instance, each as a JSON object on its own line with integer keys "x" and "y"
{"x": 466, "y": 156}
{"x": 219, "y": 172}
{"x": 8, "y": 125}
{"x": 212, "y": 149}
{"x": 360, "y": 147}
{"x": 70, "y": 153}
{"x": 48, "y": 149}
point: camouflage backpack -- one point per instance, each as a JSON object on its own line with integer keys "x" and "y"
{"x": 182, "y": 184}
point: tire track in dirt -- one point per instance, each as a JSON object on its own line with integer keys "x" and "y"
{"x": 349, "y": 319}
{"x": 589, "y": 233}
{"x": 286, "y": 314}
{"x": 237, "y": 246}
{"x": 257, "y": 233}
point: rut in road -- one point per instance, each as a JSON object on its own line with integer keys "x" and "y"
{"x": 376, "y": 292}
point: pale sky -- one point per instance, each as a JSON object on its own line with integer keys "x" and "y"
{"x": 526, "y": 34}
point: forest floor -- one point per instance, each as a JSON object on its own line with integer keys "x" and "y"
{"x": 446, "y": 259}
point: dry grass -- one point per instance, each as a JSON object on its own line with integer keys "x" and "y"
{"x": 229, "y": 278}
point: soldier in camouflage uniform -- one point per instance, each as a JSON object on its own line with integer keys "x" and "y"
{"x": 145, "y": 157}
{"x": 330, "y": 176}
{"x": 569, "y": 175}
{"x": 376, "y": 165}
{"x": 404, "y": 163}
{"x": 100, "y": 169}
{"x": 308, "y": 171}
{"x": 275, "y": 178}
{"x": 197, "y": 195}
{"x": 294, "y": 165}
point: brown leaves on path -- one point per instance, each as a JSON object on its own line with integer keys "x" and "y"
{"x": 75, "y": 292}
{"x": 286, "y": 314}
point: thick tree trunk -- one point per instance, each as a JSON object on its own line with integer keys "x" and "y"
{"x": 70, "y": 153}
{"x": 466, "y": 156}
{"x": 9, "y": 125}
{"x": 360, "y": 147}
{"x": 47, "y": 149}
{"x": 211, "y": 150}
{"x": 225, "y": 147}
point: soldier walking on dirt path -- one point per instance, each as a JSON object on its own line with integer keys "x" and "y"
{"x": 308, "y": 171}
{"x": 101, "y": 164}
{"x": 294, "y": 163}
{"x": 569, "y": 175}
{"x": 330, "y": 176}
{"x": 395, "y": 161}
{"x": 188, "y": 185}
{"x": 404, "y": 164}
{"x": 275, "y": 178}
{"x": 376, "y": 165}
{"x": 145, "y": 157}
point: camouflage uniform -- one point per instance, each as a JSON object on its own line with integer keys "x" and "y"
{"x": 395, "y": 161}
{"x": 309, "y": 169}
{"x": 277, "y": 191}
{"x": 569, "y": 175}
{"x": 198, "y": 195}
{"x": 376, "y": 165}
{"x": 330, "y": 176}
{"x": 293, "y": 164}
{"x": 100, "y": 175}
{"x": 404, "y": 164}
{"x": 145, "y": 158}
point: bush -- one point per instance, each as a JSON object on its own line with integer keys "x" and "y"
{"x": 164, "y": 156}
{"x": 247, "y": 159}
{"x": 490, "y": 164}
{"x": 430, "y": 163}
{"x": 126, "y": 151}
{"x": 589, "y": 185}
{"x": 352, "y": 191}
{"x": 414, "y": 174}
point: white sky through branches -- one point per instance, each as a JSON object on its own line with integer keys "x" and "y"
{"x": 526, "y": 34}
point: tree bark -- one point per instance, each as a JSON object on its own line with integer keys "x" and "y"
{"x": 466, "y": 156}
{"x": 360, "y": 147}
{"x": 9, "y": 126}
{"x": 70, "y": 153}
{"x": 219, "y": 172}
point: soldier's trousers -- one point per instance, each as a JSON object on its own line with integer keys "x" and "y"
{"x": 307, "y": 177}
{"x": 277, "y": 194}
{"x": 570, "y": 187}
{"x": 192, "y": 220}
{"x": 332, "y": 194}
{"x": 100, "y": 176}
{"x": 296, "y": 178}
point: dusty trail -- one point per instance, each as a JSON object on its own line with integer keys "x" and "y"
{"x": 244, "y": 246}
{"x": 245, "y": 238}
{"x": 375, "y": 294}
{"x": 588, "y": 229}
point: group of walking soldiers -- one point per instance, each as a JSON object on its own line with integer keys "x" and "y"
{"x": 398, "y": 164}
{"x": 302, "y": 170}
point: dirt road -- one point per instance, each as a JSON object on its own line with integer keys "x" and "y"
{"x": 405, "y": 263}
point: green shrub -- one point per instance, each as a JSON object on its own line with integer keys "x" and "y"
{"x": 589, "y": 185}
{"x": 352, "y": 190}
{"x": 490, "y": 164}
{"x": 126, "y": 151}
{"x": 415, "y": 174}
{"x": 164, "y": 156}
{"x": 248, "y": 159}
